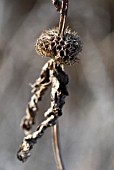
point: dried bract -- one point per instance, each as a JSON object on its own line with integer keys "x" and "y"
{"x": 63, "y": 49}
{"x": 59, "y": 81}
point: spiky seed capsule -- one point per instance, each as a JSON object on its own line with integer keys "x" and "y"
{"x": 62, "y": 49}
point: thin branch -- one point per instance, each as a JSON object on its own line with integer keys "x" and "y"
{"x": 63, "y": 15}
{"x": 55, "y": 128}
{"x": 62, "y": 7}
{"x": 56, "y": 147}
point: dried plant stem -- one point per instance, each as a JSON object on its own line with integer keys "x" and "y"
{"x": 62, "y": 7}
{"x": 56, "y": 147}
{"x": 62, "y": 46}
{"x": 63, "y": 15}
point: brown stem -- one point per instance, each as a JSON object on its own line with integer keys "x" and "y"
{"x": 63, "y": 15}
{"x": 56, "y": 147}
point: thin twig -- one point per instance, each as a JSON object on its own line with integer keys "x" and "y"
{"x": 62, "y": 7}
{"x": 63, "y": 15}
{"x": 56, "y": 147}
{"x": 55, "y": 128}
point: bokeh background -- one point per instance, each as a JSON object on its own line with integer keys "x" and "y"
{"x": 87, "y": 125}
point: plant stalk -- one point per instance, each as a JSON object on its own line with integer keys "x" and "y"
{"x": 56, "y": 147}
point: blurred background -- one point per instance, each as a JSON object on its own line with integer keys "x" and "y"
{"x": 87, "y": 125}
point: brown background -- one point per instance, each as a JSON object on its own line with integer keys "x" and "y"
{"x": 87, "y": 125}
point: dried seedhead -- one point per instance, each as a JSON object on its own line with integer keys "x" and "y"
{"x": 62, "y": 46}
{"x": 63, "y": 49}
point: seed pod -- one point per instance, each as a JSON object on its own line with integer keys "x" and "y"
{"x": 63, "y": 49}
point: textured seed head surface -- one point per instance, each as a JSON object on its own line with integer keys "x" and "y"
{"x": 63, "y": 49}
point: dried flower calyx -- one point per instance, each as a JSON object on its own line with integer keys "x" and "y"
{"x": 63, "y": 49}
